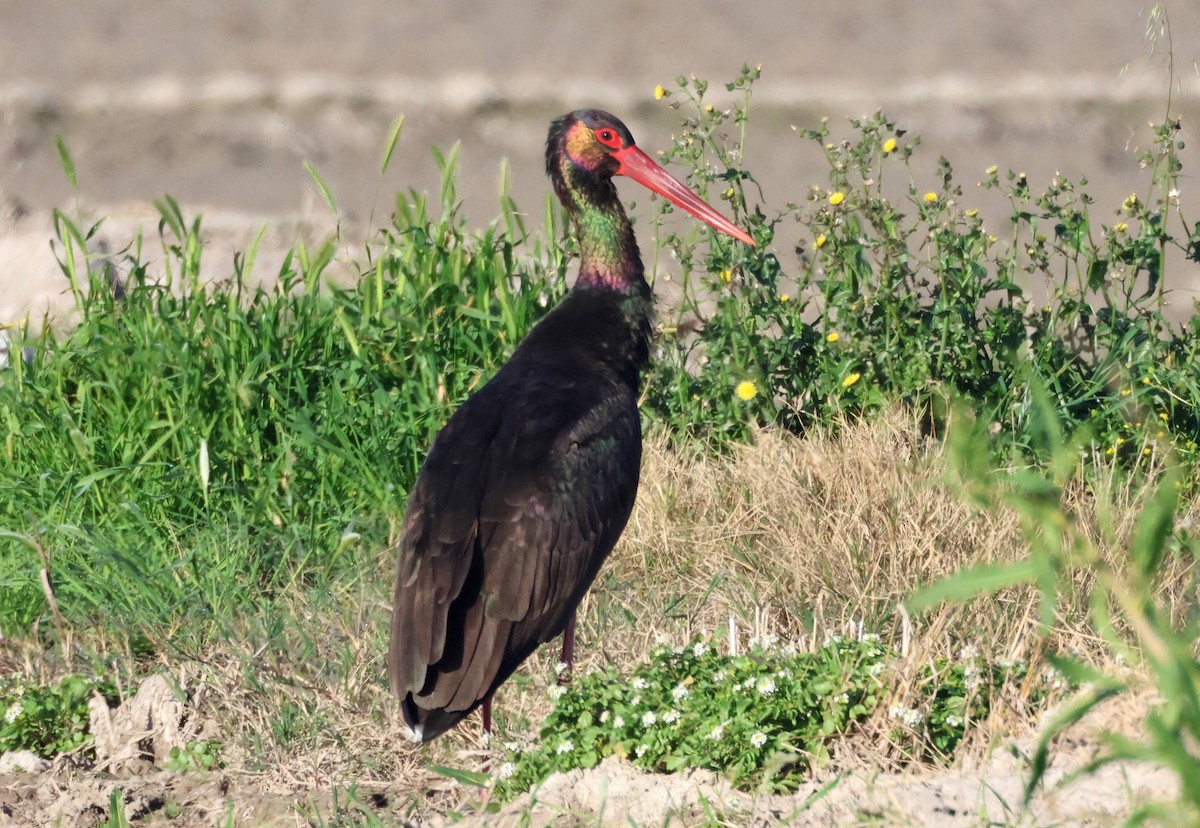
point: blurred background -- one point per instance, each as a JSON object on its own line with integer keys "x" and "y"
{"x": 220, "y": 103}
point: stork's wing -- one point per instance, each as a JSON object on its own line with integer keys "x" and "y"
{"x": 511, "y": 517}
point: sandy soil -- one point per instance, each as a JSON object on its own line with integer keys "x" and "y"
{"x": 219, "y": 104}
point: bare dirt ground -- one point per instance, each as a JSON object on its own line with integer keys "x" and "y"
{"x": 219, "y": 104}
{"x": 992, "y": 793}
{"x": 134, "y": 742}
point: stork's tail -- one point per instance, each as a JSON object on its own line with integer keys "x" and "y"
{"x": 426, "y": 725}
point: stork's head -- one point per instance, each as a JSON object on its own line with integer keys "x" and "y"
{"x": 586, "y": 148}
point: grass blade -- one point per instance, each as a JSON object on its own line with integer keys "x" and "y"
{"x": 322, "y": 186}
{"x": 65, "y": 159}
{"x": 393, "y": 139}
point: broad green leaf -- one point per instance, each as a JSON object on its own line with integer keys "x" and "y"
{"x": 986, "y": 578}
{"x": 1154, "y": 526}
{"x": 465, "y": 777}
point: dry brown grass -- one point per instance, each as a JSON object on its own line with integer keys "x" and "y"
{"x": 797, "y": 537}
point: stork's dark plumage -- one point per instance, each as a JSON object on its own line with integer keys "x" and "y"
{"x": 528, "y": 486}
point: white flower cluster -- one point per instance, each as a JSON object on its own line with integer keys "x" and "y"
{"x": 1055, "y": 680}
{"x": 758, "y": 739}
{"x": 14, "y": 710}
{"x": 681, "y": 691}
{"x": 908, "y": 715}
{"x": 972, "y": 677}
{"x": 766, "y": 641}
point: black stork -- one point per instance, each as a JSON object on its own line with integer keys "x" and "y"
{"x": 528, "y": 486}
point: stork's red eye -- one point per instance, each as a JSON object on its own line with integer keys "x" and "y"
{"x": 608, "y": 137}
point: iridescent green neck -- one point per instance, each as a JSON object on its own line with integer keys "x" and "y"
{"x": 607, "y": 247}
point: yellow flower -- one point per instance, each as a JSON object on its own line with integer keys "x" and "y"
{"x": 729, "y": 193}
{"x": 1162, "y": 415}
{"x": 972, "y": 213}
{"x": 819, "y": 241}
{"x": 1120, "y": 227}
{"x": 832, "y": 336}
{"x": 708, "y": 107}
{"x": 992, "y": 170}
{"x": 783, "y": 297}
{"x": 836, "y": 198}
{"x": 851, "y": 379}
{"x": 889, "y": 146}
{"x": 1125, "y": 392}
{"x": 746, "y": 390}
{"x": 726, "y": 275}
{"x": 931, "y": 198}
{"x": 1110, "y": 450}
{"x": 660, "y": 93}
{"x": 1130, "y": 202}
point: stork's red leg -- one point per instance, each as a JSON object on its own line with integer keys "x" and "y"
{"x": 568, "y": 651}
{"x": 486, "y": 712}
{"x": 487, "y": 720}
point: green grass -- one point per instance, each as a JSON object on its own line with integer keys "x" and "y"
{"x": 196, "y": 466}
{"x": 189, "y": 438}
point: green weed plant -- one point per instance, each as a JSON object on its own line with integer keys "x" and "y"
{"x": 1125, "y": 606}
{"x": 48, "y": 720}
{"x": 913, "y": 298}
{"x": 763, "y": 719}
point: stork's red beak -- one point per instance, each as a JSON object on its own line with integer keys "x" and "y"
{"x": 642, "y": 169}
